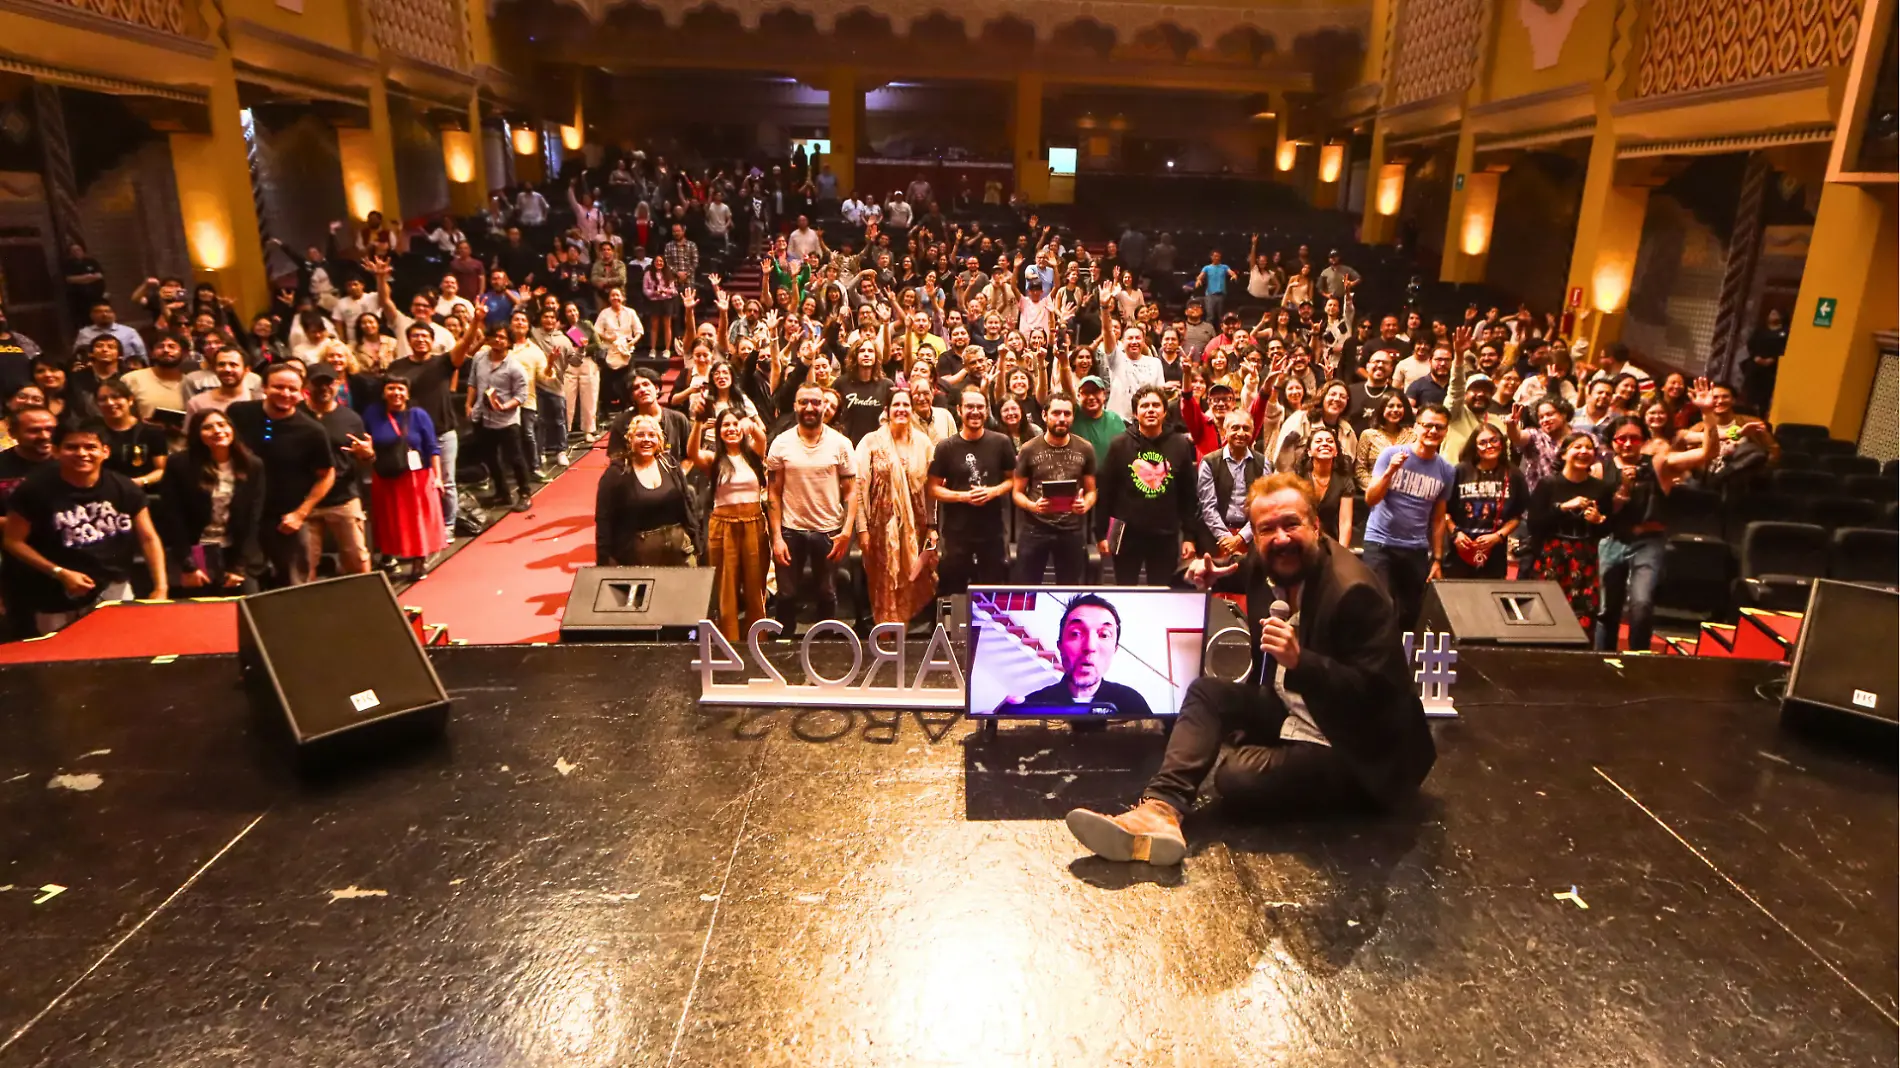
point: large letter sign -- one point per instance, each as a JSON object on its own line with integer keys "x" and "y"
{"x": 856, "y": 688}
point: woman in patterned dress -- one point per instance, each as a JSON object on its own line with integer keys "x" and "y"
{"x": 893, "y": 467}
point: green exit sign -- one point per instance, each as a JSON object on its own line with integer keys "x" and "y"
{"x": 1824, "y": 312}
{"x": 1458, "y": 183}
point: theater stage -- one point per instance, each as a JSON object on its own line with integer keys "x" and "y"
{"x": 596, "y": 871}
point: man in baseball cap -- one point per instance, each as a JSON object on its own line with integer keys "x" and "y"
{"x": 1094, "y": 423}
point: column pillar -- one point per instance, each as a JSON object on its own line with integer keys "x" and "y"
{"x": 1609, "y": 231}
{"x": 1032, "y": 164}
{"x": 216, "y": 202}
{"x": 368, "y": 158}
{"x": 1385, "y": 193}
{"x": 845, "y": 118}
{"x": 1474, "y": 203}
{"x": 1828, "y": 371}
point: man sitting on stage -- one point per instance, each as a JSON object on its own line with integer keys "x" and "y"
{"x": 1086, "y": 641}
{"x": 1329, "y": 718}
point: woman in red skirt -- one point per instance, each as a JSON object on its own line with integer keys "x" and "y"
{"x": 405, "y": 492}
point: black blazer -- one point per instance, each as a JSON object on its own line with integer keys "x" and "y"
{"x": 185, "y": 509}
{"x": 1352, "y": 672}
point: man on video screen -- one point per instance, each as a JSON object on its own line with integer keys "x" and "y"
{"x": 1086, "y": 641}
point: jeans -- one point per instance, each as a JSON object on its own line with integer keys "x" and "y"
{"x": 553, "y": 429}
{"x": 811, "y": 562}
{"x": 1404, "y": 573}
{"x": 450, "y": 444}
{"x": 1157, "y": 551}
{"x": 500, "y": 449}
{"x": 1214, "y": 303}
{"x": 1038, "y": 543}
{"x": 1628, "y": 572}
{"x": 965, "y": 561}
{"x": 1264, "y": 774}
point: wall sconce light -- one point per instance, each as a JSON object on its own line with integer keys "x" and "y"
{"x": 1391, "y": 188}
{"x": 1332, "y": 160}
{"x": 1287, "y": 155}
{"x": 571, "y": 138}
{"x": 524, "y": 140}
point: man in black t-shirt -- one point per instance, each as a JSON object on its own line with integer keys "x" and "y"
{"x": 1366, "y": 399}
{"x": 1051, "y": 527}
{"x": 299, "y": 469}
{"x": 431, "y": 378}
{"x": 75, "y": 531}
{"x": 970, "y": 474}
{"x": 340, "y": 512}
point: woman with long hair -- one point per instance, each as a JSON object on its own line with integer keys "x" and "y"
{"x": 737, "y": 537}
{"x": 1297, "y": 432}
{"x": 134, "y": 448}
{"x": 1323, "y": 464}
{"x": 1539, "y": 445}
{"x": 374, "y": 349}
{"x": 893, "y": 469}
{"x": 581, "y": 382}
{"x": 1392, "y": 426}
{"x": 405, "y": 480}
{"x": 211, "y": 498}
{"x": 1487, "y": 503}
{"x": 1567, "y": 513}
{"x": 1016, "y": 424}
{"x": 644, "y": 513}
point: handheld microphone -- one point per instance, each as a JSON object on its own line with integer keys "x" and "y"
{"x": 1280, "y": 610}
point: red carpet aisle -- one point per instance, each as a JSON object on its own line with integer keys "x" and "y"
{"x": 510, "y": 584}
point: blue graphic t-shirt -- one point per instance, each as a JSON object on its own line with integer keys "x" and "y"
{"x": 1403, "y": 517}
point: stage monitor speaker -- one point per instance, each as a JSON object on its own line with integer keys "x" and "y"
{"x": 1497, "y": 612}
{"x": 1226, "y": 641}
{"x": 339, "y": 661}
{"x": 1844, "y": 657}
{"x": 619, "y": 604}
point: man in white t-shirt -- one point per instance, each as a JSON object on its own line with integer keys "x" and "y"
{"x": 1130, "y": 366}
{"x": 812, "y": 474}
{"x": 803, "y": 243}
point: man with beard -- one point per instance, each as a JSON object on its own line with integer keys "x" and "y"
{"x": 1329, "y": 718}
{"x": 234, "y": 384}
{"x": 299, "y": 469}
{"x": 812, "y": 475}
{"x": 1052, "y": 527}
{"x": 431, "y": 379}
{"x": 970, "y": 475}
{"x": 1362, "y": 410}
{"x": 161, "y": 387}
{"x": 1469, "y": 401}
{"x": 1436, "y": 384}
{"x": 1150, "y": 495}
{"x": 1087, "y": 639}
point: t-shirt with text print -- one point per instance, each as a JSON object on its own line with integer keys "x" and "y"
{"x": 1403, "y": 517}
{"x": 88, "y": 529}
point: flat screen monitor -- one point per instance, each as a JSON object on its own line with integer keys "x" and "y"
{"x": 1039, "y": 651}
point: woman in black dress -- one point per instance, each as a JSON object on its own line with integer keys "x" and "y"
{"x": 1333, "y": 482}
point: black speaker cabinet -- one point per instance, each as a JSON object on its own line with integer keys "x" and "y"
{"x": 1844, "y": 657}
{"x": 1496, "y": 612}
{"x": 338, "y": 661}
{"x": 1226, "y": 641}
{"x": 618, "y": 604}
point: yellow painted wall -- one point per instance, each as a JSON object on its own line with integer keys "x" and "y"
{"x": 1582, "y": 57}
{"x": 1828, "y": 372}
{"x": 327, "y": 22}
{"x": 67, "y": 47}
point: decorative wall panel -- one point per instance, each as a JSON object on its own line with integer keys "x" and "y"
{"x": 1437, "y": 43}
{"x": 433, "y": 31}
{"x": 1701, "y": 44}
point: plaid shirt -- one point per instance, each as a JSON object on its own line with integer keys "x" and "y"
{"x": 682, "y": 256}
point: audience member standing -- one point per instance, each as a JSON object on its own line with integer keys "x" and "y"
{"x": 970, "y": 475}
{"x": 813, "y": 496}
{"x": 77, "y": 530}
{"x": 1410, "y": 487}
{"x": 497, "y": 388}
{"x": 406, "y": 478}
{"x": 211, "y": 502}
{"x": 299, "y": 470}
{"x": 1487, "y": 504}
{"x": 1149, "y": 495}
{"x": 893, "y": 464}
{"x": 738, "y": 536}
{"x": 1568, "y": 513}
{"x": 1051, "y": 529}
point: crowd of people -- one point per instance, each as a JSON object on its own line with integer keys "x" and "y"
{"x": 932, "y": 402}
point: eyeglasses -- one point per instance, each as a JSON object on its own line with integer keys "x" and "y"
{"x": 1628, "y": 439}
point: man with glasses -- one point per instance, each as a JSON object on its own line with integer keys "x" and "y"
{"x": 1411, "y": 485}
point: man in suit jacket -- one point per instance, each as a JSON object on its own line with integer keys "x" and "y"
{"x": 1329, "y": 716}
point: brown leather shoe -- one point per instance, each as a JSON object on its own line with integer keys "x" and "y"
{"x": 1149, "y": 832}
